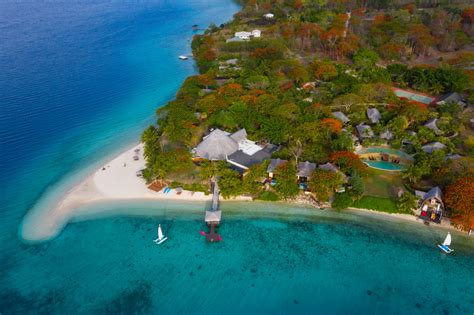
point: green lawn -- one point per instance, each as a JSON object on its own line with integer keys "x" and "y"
{"x": 382, "y": 184}
{"x": 380, "y": 190}
{"x": 377, "y": 203}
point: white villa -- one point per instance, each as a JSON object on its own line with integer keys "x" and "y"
{"x": 269, "y": 16}
{"x": 244, "y": 36}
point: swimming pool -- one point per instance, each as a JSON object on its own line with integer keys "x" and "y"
{"x": 385, "y": 166}
{"x": 385, "y": 150}
{"x": 414, "y": 96}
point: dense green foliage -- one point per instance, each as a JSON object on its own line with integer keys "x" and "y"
{"x": 283, "y": 87}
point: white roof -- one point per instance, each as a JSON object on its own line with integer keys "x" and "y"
{"x": 269, "y": 15}
{"x": 243, "y": 34}
{"x": 249, "y": 147}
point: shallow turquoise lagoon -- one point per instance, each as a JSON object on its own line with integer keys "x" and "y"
{"x": 268, "y": 263}
{"x": 78, "y": 82}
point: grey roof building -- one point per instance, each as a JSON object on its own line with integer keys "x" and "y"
{"x": 433, "y": 146}
{"x": 243, "y": 161}
{"x": 374, "y": 115}
{"x": 341, "y": 117}
{"x": 217, "y": 146}
{"x": 431, "y": 124}
{"x": 305, "y": 169}
{"x": 453, "y": 97}
{"x": 364, "y": 131}
{"x": 387, "y": 135}
{"x": 274, "y": 163}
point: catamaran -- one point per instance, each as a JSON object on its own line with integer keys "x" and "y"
{"x": 183, "y": 57}
{"x": 445, "y": 246}
{"x": 161, "y": 238}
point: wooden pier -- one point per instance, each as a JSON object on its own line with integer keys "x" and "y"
{"x": 213, "y": 216}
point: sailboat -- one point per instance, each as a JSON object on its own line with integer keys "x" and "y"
{"x": 161, "y": 238}
{"x": 445, "y": 246}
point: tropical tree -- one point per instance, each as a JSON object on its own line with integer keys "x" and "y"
{"x": 459, "y": 197}
{"x": 406, "y": 203}
{"x": 286, "y": 185}
{"x": 323, "y": 183}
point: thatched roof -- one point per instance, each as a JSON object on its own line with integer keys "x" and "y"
{"x": 435, "y": 193}
{"x": 364, "y": 131}
{"x": 305, "y": 169}
{"x": 387, "y": 134}
{"x": 434, "y": 146}
{"x": 374, "y": 115}
{"x": 274, "y": 163}
{"x": 431, "y": 124}
{"x": 341, "y": 117}
{"x": 453, "y": 97}
{"x": 216, "y": 146}
{"x": 239, "y": 135}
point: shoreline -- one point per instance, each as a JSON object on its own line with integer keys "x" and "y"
{"x": 116, "y": 183}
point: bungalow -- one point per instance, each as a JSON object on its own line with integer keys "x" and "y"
{"x": 340, "y": 115}
{"x": 374, "y": 115}
{"x": 433, "y": 146}
{"x": 274, "y": 164}
{"x": 364, "y": 131}
{"x": 387, "y": 135}
{"x": 304, "y": 170}
{"x": 431, "y": 206}
{"x": 256, "y": 33}
{"x": 451, "y": 98}
{"x": 269, "y": 16}
{"x": 431, "y": 124}
{"x": 233, "y": 148}
{"x": 243, "y": 35}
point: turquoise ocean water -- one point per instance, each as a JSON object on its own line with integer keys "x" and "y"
{"x": 78, "y": 82}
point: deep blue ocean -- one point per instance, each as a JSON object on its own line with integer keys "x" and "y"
{"x": 79, "y": 81}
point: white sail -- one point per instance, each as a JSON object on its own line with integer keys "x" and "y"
{"x": 160, "y": 233}
{"x": 447, "y": 241}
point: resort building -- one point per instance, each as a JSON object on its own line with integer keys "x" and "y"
{"x": 304, "y": 170}
{"x": 431, "y": 206}
{"x": 431, "y": 124}
{"x": 274, "y": 163}
{"x": 244, "y": 36}
{"x": 386, "y": 135}
{"x": 256, "y": 33}
{"x": 374, "y": 115}
{"x": 340, "y": 115}
{"x": 233, "y": 148}
{"x": 364, "y": 131}
{"x": 434, "y": 146}
{"x": 451, "y": 98}
{"x": 269, "y": 16}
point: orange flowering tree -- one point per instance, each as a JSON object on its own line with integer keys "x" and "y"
{"x": 459, "y": 198}
{"x": 348, "y": 162}
{"x": 334, "y": 125}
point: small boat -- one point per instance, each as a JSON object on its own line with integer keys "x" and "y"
{"x": 161, "y": 238}
{"x": 445, "y": 246}
{"x": 183, "y": 57}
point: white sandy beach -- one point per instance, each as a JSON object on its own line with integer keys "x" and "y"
{"x": 115, "y": 181}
